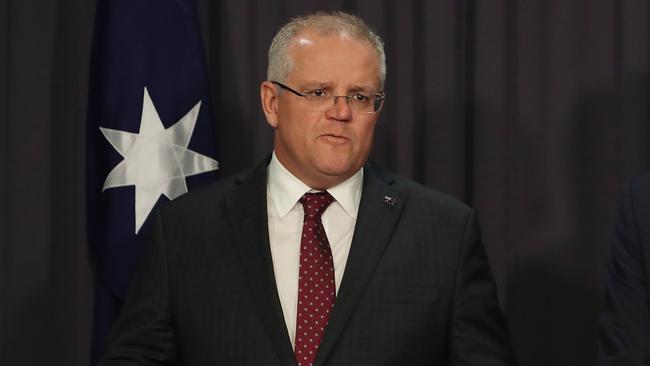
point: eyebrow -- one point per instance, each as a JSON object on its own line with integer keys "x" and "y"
{"x": 357, "y": 88}
{"x": 328, "y": 85}
{"x": 317, "y": 85}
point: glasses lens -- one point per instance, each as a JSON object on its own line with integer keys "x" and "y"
{"x": 365, "y": 103}
{"x": 360, "y": 102}
{"x": 319, "y": 100}
{"x": 378, "y": 103}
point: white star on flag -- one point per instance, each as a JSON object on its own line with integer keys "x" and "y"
{"x": 156, "y": 160}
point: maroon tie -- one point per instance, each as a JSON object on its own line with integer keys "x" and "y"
{"x": 316, "y": 286}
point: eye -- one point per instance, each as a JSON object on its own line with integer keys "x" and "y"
{"x": 360, "y": 98}
{"x": 316, "y": 93}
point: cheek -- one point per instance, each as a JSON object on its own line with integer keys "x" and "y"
{"x": 292, "y": 128}
{"x": 365, "y": 136}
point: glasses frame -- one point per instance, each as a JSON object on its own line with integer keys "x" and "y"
{"x": 381, "y": 96}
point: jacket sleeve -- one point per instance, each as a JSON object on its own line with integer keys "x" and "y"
{"x": 624, "y": 320}
{"x": 143, "y": 334}
{"x": 479, "y": 334}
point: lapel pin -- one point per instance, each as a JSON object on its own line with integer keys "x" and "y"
{"x": 389, "y": 200}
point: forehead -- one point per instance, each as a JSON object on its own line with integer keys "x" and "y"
{"x": 337, "y": 59}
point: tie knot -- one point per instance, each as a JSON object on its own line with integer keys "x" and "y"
{"x": 315, "y": 204}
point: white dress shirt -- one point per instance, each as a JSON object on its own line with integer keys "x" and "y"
{"x": 285, "y": 219}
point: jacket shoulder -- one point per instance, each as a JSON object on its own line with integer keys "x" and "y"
{"x": 428, "y": 199}
{"x": 207, "y": 196}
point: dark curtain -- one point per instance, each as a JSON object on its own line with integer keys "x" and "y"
{"x": 535, "y": 113}
{"x": 45, "y": 278}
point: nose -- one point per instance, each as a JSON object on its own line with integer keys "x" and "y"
{"x": 341, "y": 109}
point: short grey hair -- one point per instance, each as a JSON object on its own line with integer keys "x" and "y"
{"x": 325, "y": 24}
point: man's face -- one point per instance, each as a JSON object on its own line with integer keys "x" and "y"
{"x": 323, "y": 148}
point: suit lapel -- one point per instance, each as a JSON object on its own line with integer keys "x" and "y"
{"x": 247, "y": 209}
{"x": 379, "y": 211}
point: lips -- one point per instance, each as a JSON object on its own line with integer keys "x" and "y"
{"x": 334, "y": 138}
{"x": 334, "y": 133}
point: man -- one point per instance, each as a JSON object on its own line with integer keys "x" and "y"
{"x": 625, "y": 319}
{"x": 315, "y": 257}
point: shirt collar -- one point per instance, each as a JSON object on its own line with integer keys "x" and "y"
{"x": 286, "y": 189}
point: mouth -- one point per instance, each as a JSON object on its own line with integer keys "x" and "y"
{"x": 333, "y": 138}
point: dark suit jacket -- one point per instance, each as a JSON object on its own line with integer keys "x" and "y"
{"x": 417, "y": 288}
{"x": 625, "y": 319}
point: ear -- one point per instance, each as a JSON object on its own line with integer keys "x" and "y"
{"x": 269, "y": 98}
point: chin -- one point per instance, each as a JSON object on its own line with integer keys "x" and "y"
{"x": 337, "y": 168}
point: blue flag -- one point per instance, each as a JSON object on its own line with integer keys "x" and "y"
{"x": 150, "y": 136}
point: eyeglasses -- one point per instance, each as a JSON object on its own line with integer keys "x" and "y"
{"x": 320, "y": 100}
